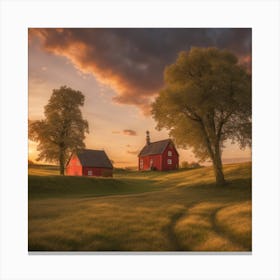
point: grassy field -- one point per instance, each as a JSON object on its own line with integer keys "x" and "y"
{"x": 141, "y": 211}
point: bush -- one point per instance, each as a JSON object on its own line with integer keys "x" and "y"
{"x": 185, "y": 165}
{"x": 195, "y": 165}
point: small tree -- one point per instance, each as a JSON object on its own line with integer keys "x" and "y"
{"x": 205, "y": 101}
{"x": 195, "y": 165}
{"x": 185, "y": 165}
{"x": 63, "y": 130}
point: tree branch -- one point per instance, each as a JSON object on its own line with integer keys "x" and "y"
{"x": 223, "y": 121}
{"x": 191, "y": 114}
{"x": 207, "y": 140}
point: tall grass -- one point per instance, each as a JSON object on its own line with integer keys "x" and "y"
{"x": 142, "y": 211}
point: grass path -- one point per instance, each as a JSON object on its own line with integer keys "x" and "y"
{"x": 172, "y": 237}
{"x": 220, "y": 237}
{"x": 223, "y": 234}
{"x": 175, "y": 242}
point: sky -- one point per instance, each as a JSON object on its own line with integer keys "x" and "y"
{"x": 120, "y": 72}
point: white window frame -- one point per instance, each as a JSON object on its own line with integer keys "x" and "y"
{"x": 169, "y": 153}
{"x": 169, "y": 161}
{"x": 89, "y": 173}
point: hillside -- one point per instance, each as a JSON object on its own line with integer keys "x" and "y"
{"x": 134, "y": 211}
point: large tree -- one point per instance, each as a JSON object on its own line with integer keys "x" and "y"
{"x": 206, "y": 100}
{"x": 63, "y": 129}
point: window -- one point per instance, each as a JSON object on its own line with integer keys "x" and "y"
{"x": 141, "y": 163}
{"x": 169, "y": 153}
{"x": 89, "y": 173}
{"x": 151, "y": 163}
{"x": 169, "y": 161}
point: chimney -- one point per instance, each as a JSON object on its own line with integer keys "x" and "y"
{"x": 148, "y": 137}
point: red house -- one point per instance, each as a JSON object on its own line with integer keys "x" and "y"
{"x": 161, "y": 155}
{"x": 89, "y": 163}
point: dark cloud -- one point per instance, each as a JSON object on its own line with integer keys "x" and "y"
{"x": 129, "y": 132}
{"x": 132, "y": 60}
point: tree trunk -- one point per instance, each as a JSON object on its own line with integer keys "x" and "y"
{"x": 61, "y": 169}
{"x": 61, "y": 163}
{"x": 218, "y": 168}
{"x": 214, "y": 154}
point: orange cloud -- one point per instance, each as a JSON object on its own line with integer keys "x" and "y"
{"x": 132, "y": 61}
{"x": 129, "y": 132}
{"x": 88, "y": 58}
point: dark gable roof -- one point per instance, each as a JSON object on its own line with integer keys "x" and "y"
{"x": 94, "y": 158}
{"x": 155, "y": 148}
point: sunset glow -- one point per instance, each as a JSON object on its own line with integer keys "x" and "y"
{"x": 120, "y": 72}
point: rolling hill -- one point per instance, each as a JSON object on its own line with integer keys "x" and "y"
{"x": 141, "y": 211}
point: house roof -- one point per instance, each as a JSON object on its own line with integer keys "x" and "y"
{"x": 155, "y": 148}
{"x": 94, "y": 158}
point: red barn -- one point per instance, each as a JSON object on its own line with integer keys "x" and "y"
{"x": 161, "y": 155}
{"x": 89, "y": 163}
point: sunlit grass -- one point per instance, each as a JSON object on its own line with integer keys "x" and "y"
{"x": 199, "y": 230}
{"x": 185, "y": 211}
{"x": 40, "y": 170}
{"x": 235, "y": 221}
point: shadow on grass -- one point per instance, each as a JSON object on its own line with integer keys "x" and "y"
{"x": 232, "y": 191}
{"x": 68, "y": 187}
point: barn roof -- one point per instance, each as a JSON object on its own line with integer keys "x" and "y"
{"x": 94, "y": 158}
{"x": 155, "y": 148}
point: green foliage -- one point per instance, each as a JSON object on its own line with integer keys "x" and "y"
{"x": 63, "y": 129}
{"x": 205, "y": 101}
